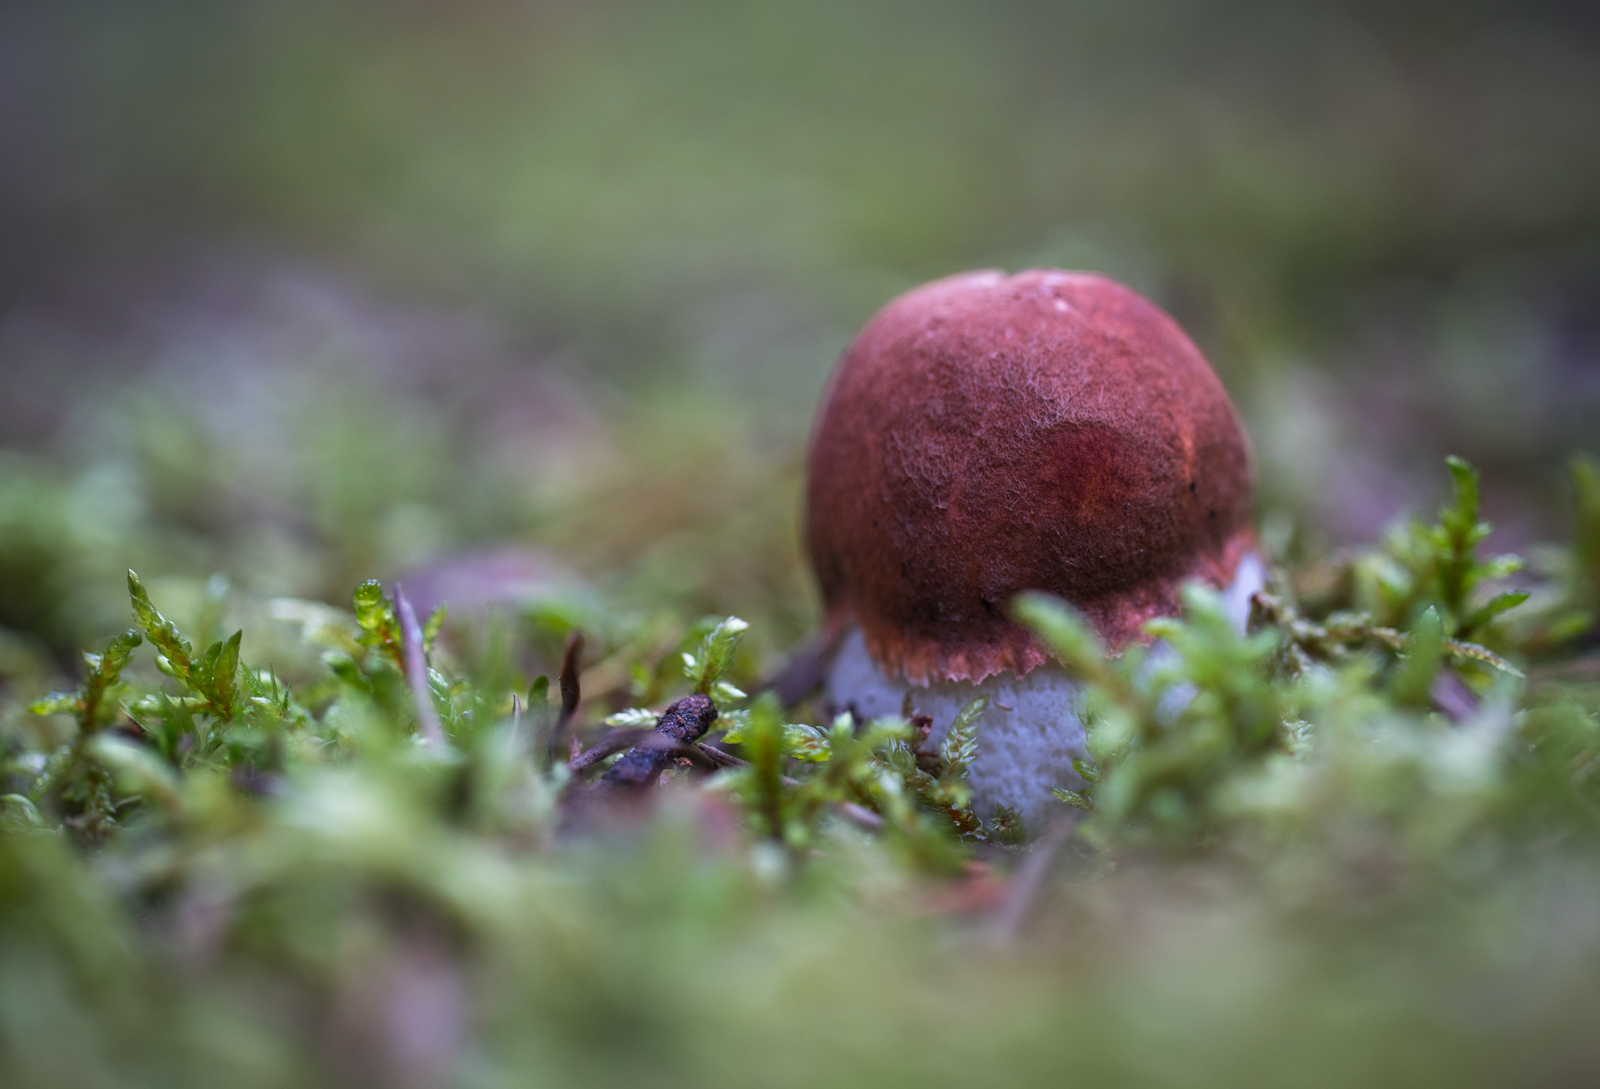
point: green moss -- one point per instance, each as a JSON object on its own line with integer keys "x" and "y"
{"x": 1290, "y": 844}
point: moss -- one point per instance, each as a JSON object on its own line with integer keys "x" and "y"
{"x": 1320, "y": 852}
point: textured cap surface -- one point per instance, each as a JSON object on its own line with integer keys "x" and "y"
{"x": 985, "y": 435}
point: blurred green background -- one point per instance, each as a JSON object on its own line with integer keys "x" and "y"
{"x": 310, "y": 292}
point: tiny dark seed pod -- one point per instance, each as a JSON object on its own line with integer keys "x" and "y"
{"x": 985, "y": 435}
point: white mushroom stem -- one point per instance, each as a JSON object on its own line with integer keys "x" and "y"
{"x": 1029, "y": 734}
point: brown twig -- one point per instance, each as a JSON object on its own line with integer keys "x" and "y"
{"x": 571, "y": 693}
{"x": 417, "y": 670}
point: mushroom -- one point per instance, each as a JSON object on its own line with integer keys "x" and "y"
{"x": 988, "y": 434}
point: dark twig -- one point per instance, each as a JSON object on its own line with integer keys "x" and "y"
{"x": 643, "y": 741}
{"x": 571, "y": 693}
{"x": 609, "y": 745}
{"x": 725, "y": 760}
{"x": 417, "y": 670}
{"x": 696, "y": 754}
{"x": 1025, "y": 884}
{"x": 722, "y": 758}
{"x": 685, "y": 722}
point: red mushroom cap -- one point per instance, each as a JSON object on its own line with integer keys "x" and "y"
{"x": 985, "y": 435}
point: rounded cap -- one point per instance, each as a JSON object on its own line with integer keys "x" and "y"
{"x": 985, "y": 435}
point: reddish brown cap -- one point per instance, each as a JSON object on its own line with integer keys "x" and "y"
{"x": 986, "y": 435}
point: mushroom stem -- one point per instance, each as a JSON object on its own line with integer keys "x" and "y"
{"x": 1029, "y": 734}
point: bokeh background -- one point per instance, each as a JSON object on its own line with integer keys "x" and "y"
{"x": 311, "y": 292}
